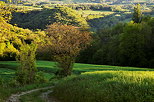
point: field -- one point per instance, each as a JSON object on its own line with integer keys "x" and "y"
{"x": 87, "y": 12}
{"x": 7, "y": 68}
{"x": 95, "y": 14}
{"x": 27, "y": 8}
{"x": 92, "y": 76}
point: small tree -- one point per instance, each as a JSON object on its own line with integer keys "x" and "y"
{"x": 137, "y": 15}
{"x": 27, "y": 71}
{"x": 66, "y": 41}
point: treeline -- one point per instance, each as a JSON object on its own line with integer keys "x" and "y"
{"x": 126, "y": 44}
{"x": 90, "y": 7}
{"x": 101, "y": 7}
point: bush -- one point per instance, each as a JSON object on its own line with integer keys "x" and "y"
{"x": 39, "y": 78}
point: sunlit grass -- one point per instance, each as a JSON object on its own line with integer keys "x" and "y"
{"x": 107, "y": 86}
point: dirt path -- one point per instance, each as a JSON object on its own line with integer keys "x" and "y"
{"x": 45, "y": 96}
{"x": 15, "y": 97}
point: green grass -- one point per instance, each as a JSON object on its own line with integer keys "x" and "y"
{"x": 48, "y": 66}
{"x": 7, "y": 68}
{"x": 7, "y": 72}
{"x": 107, "y": 86}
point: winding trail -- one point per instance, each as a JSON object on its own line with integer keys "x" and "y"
{"x": 16, "y": 97}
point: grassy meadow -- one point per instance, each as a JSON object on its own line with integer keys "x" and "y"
{"x": 96, "y": 82}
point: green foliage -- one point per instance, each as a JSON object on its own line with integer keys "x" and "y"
{"x": 137, "y": 15}
{"x": 108, "y": 86}
{"x": 108, "y": 21}
{"x": 2, "y": 47}
{"x": 90, "y": 6}
{"x": 40, "y": 78}
{"x": 62, "y": 14}
{"x": 132, "y": 41}
{"x": 65, "y": 64}
{"x": 26, "y": 73}
{"x": 126, "y": 44}
{"x": 6, "y": 11}
{"x": 11, "y": 39}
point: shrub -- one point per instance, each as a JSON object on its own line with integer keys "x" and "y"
{"x": 27, "y": 71}
{"x": 39, "y": 78}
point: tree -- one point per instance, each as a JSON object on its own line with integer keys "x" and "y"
{"x": 26, "y": 73}
{"x": 132, "y": 43}
{"x": 66, "y": 42}
{"x": 137, "y": 15}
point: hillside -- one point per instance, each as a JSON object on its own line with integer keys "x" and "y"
{"x": 40, "y": 19}
{"x": 11, "y": 37}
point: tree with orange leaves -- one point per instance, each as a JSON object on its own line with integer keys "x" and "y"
{"x": 66, "y": 42}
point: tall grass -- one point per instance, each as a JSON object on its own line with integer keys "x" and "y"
{"x": 107, "y": 86}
